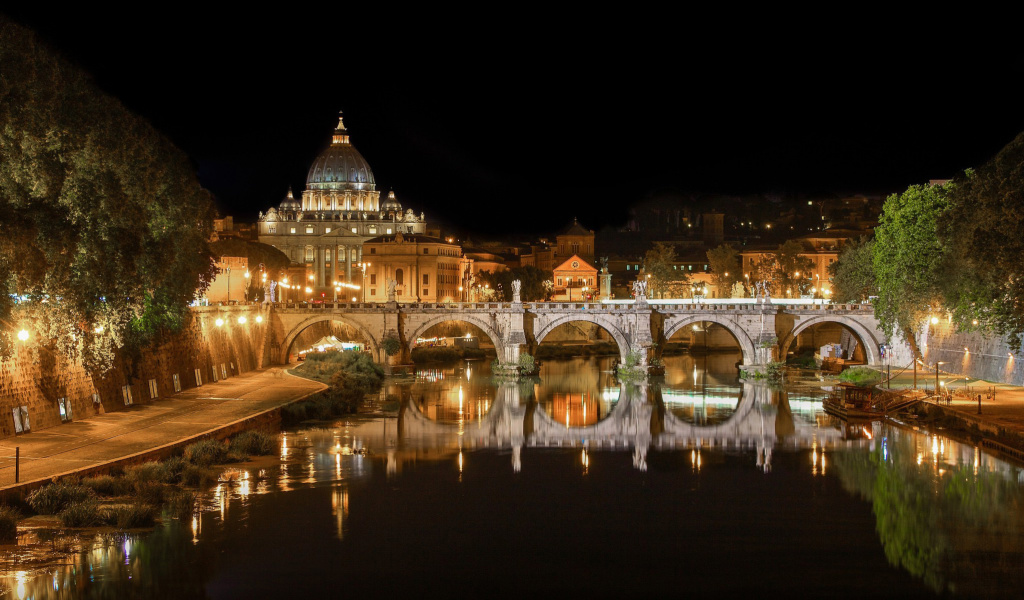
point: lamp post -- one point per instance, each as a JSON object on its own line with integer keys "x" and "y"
{"x": 937, "y": 363}
{"x": 228, "y": 270}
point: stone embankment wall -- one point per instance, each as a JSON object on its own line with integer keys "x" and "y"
{"x": 40, "y": 381}
{"x": 972, "y": 355}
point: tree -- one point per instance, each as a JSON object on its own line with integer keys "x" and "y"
{"x": 664, "y": 280}
{"x": 532, "y": 278}
{"x": 105, "y": 226}
{"x": 788, "y": 271}
{"x": 853, "y": 273}
{"x": 724, "y": 262}
{"x": 909, "y": 260}
{"x": 983, "y": 278}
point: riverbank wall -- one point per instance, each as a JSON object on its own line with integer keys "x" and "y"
{"x": 38, "y": 389}
{"x": 967, "y": 354}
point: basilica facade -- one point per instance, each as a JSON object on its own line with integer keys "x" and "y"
{"x": 339, "y": 211}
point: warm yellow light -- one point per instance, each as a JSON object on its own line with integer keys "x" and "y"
{"x": 241, "y": 320}
{"x": 308, "y": 289}
{"x": 353, "y": 298}
{"x": 311, "y": 278}
{"x": 797, "y": 274}
{"x": 220, "y": 322}
{"x": 99, "y": 329}
{"x": 246, "y": 274}
{"x": 965, "y": 349}
{"x": 935, "y": 320}
{"x": 23, "y": 335}
{"x": 284, "y": 280}
{"x": 259, "y": 318}
{"x": 974, "y": 322}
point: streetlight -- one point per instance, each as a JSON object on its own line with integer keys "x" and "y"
{"x": 23, "y": 335}
{"x": 228, "y": 269}
{"x": 937, "y": 363}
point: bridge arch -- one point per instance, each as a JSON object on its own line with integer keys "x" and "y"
{"x": 606, "y": 324}
{"x": 867, "y": 338}
{"x": 309, "y": 321}
{"x": 472, "y": 319}
{"x": 737, "y": 331}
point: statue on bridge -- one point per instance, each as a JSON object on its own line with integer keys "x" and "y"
{"x": 517, "y": 287}
{"x": 640, "y": 290}
{"x": 391, "y": 284}
{"x": 763, "y": 292}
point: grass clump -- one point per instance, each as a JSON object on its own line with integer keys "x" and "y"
{"x": 9, "y": 517}
{"x": 149, "y": 472}
{"x": 55, "y": 497}
{"x": 255, "y": 443}
{"x": 173, "y": 468}
{"x": 107, "y": 485}
{"x": 860, "y": 376}
{"x": 195, "y": 476}
{"x": 129, "y": 516}
{"x": 206, "y": 453}
{"x": 81, "y": 513}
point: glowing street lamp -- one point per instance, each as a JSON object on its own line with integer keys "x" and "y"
{"x": 23, "y": 335}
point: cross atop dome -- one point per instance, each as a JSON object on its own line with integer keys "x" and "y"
{"x": 340, "y": 133}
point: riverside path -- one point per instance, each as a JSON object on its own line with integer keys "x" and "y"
{"x": 139, "y": 431}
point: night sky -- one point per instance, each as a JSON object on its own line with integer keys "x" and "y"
{"x": 469, "y": 116}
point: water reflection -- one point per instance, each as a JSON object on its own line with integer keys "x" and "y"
{"x": 336, "y": 499}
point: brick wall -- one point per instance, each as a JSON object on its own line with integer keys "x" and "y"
{"x": 38, "y": 380}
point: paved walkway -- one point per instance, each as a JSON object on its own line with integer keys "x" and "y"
{"x": 108, "y": 437}
{"x": 1005, "y": 410}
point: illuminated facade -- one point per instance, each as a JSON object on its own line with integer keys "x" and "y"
{"x": 340, "y": 210}
{"x": 425, "y": 269}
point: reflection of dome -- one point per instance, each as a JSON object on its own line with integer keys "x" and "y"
{"x": 391, "y": 203}
{"x": 340, "y": 166}
{"x": 289, "y": 202}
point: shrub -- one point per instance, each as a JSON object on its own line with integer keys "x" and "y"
{"x": 173, "y": 467}
{"x": 775, "y": 370}
{"x": 81, "y": 513}
{"x": 55, "y": 497}
{"x": 150, "y": 492}
{"x": 9, "y": 523}
{"x": 181, "y": 503}
{"x": 391, "y": 346}
{"x": 129, "y": 516}
{"x": 294, "y": 413}
{"x": 253, "y": 442}
{"x": 860, "y": 376}
{"x": 526, "y": 362}
{"x": 107, "y": 485}
{"x": 206, "y": 453}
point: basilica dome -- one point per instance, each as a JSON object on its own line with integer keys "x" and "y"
{"x": 340, "y": 167}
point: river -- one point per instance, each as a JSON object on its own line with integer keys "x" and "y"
{"x": 572, "y": 484}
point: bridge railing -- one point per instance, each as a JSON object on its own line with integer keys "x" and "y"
{"x": 589, "y": 306}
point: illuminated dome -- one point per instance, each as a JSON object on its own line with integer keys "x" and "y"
{"x": 289, "y": 202}
{"x": 391, "y": 203}
{"x": 340, "y": 167}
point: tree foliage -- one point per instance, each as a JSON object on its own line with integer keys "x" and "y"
{"x": 786, "y": 269}
{"x": 664, "y": 281}
{"x": 909, "y": 260}
{"x": 532, "y": 278}
{"x": 853, "y": 273}
{"x": 724, "y": 262}
{"x": 982, "y": 233}
{"x": 103, "y": 224}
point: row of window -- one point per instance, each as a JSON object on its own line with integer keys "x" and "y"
{"x": 580, "y": 281}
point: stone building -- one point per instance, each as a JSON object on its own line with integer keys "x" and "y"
{"x": 575, "y": 279}
{"x": 339, "y": 210}
{"x": 424, "y": 268}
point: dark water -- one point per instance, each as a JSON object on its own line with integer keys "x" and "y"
{"x": 573, "y": 485}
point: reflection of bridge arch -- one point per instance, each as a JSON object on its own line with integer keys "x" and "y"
{"x": 310, "y": 321}
{"x": 596, "y": 319}
{"x": 736, "y": 423}
{"x": 867, "y": 339}
{"x": 484, "y": 326}
{"x": 736, "y": 329}
{"x": 502, "y": 426}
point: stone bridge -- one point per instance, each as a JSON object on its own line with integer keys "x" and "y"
{"x": 762, "y": 331}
